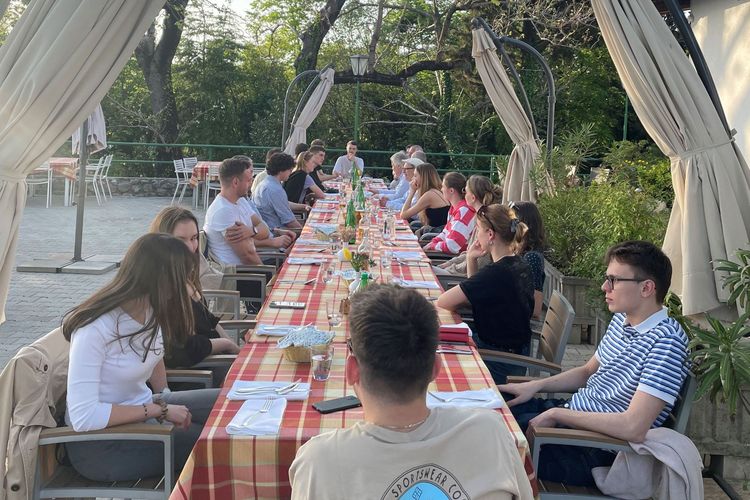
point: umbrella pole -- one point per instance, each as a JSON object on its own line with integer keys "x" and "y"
{"x": 83, "y": 156}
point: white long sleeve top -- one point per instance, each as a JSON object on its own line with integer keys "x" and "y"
{"x": 106, "y": 371}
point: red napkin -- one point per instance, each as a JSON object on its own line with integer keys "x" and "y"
{"x": 454, "y": 334}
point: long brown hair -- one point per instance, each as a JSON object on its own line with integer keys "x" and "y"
{"x": 155, "y": 268}
{"x": 504, "y": 223}
{"x": 484, "y": 190}
{"x": 166, "y": 221}
{"x": 529, "y": 214}
{"x": 429, "y": 179}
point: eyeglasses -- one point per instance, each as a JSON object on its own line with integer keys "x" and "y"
{"x": 612, "y": 280}
{"x": 482, "y": 212}
{"x": 349, "y": 346}
{"x": 409, "y": 168}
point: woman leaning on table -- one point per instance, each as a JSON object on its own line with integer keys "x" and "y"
{"x": 430, "y": 204}
{"x": 209, "y": 337}
{"x": 501, "y": 294}
{"x": 117, "y": 341}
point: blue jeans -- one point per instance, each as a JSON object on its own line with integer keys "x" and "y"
{"x": 500, "y": 371}
{"x": 558, "y": 463}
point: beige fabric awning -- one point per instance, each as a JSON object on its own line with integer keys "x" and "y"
{"x": 517, "y": 185}
{"x": 711, "y": 214}
{"x": 56, "y": 65}
{"x": 310, "y": 111}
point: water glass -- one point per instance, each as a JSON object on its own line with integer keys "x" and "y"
{"x": 386, "y": 256}
{"x": 335, "y": 243}
{"x": 322, "y": 358}
{"x": 332, "y": 313}
{"x": 327, "y": 272}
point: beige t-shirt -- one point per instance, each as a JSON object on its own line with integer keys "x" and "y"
{"x": 458, "y": 453}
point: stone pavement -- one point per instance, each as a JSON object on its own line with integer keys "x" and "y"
{"x": 37, "y": 301}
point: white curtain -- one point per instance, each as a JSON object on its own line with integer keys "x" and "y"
{"x": 518, "y": 185}
{"x": 55, "y": 67}
{"x": 96, "y": 137}
{"x": 711, "y": 213}
{"x": 310, "y": 111}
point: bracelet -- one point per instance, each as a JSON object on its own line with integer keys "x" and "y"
{"x": 145, "y": 412}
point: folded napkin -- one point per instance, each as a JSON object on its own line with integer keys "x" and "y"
{"x": 327, "y": 229}
{"x": 304, "y": 261}
{"x": 266, "y": 390}
{"x": 264, "y": 424}
{"x": 416, "y": 284}
{"x": 274, "y": 330}
{"x": 304, "y": 241}
{"x": 483, "y": 398}
{"x": 406, "y": 255}
{"x": 459, "y": 332}
{"x": 406, "y": 237}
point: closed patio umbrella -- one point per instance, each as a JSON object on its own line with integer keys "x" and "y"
{"x": 60, "y": 59}
{"x": 517, "y": 185}
{"x": 310, "y": 111}
{"x": 96, "y": 138}
{"x": 710, "y": 217}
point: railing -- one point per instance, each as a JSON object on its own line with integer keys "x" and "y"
{"x": 129, "y": 154}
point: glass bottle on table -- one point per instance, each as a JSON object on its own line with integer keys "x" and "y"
{"x": 365, "y": 249}
{"x": 351, "y": 221}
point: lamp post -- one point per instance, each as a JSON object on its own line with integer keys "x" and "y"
{"x": 359, "y": 67}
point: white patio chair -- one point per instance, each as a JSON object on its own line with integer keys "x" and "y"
{"x": 183, "y": 178}
{"x": 93, "y": 171}
{"x": 41, "y": 175}
{"x": 104, "y": 176}
{"x": 212, "y": 184}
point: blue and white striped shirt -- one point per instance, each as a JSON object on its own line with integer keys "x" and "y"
{"x": 649, "y": 357}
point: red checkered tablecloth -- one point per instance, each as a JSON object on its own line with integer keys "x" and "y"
{"x": 200, "y": 171}
{"x": 234, "y": 467}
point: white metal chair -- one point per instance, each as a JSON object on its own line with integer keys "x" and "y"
{"x": 211, "y": 185}
{"x": 40, "y": 176}
{"x": 183, "y": 178}
{"x": 190, "y": 162}
{"x": 104, "y": 176}
{"x": 93, "y": 171}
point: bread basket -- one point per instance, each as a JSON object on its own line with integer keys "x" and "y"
{"x": 297, "y": 343}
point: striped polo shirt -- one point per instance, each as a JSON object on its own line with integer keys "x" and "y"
{"x": 649, "y": 357}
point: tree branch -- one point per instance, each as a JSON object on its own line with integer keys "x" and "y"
{"x": 399, "y": 78}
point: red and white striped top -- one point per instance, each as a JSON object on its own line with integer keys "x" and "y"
{"x": 455, "y": 236}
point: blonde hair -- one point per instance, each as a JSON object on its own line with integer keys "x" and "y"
{"x": 484, "y": 190}
{"x": 303, "y": 158}
{"x": 505, "y": 224}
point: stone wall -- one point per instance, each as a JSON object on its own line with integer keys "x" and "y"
{"x": 145, "y": 186}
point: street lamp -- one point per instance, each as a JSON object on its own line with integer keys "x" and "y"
{"x": 359, "y": 67}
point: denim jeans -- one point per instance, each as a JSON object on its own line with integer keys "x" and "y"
{"x": 558, "y": 463}
{"x": 500, "y": 371}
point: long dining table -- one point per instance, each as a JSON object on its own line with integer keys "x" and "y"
{"x": 223, "y": 466}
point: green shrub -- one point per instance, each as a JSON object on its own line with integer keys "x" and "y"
{"x": 642, "y": 165}
{"x": 582, "y": 222}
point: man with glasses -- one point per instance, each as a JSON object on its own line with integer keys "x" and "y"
{"x": 403, "y": 449}
{"x": 630, "y": 384}
{"x": 397, "y": 202}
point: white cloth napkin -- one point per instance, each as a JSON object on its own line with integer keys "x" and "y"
{"x": 324, "y": 228}
{"x": 304, "y": 261}
{"x": 406, "y": 255}
{"x": 483, "y": 398}
{"x": 264, "y": 424}
{"x": 274, "y": 330}
{"x": 300, "y": 393}
{"x": 318, "y": 243}
{"x": 416, "y": 284}
{"x": 406, "y": 237}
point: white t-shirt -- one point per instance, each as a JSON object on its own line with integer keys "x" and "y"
{"x": 458, "y": 453}
{"x": 106, "y": 371}
{"x": 257, "y": 181}
{"x": 222, "y": 214}
{"x": 343, "y": 166}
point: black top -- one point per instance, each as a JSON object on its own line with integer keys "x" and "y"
{"x": 316, "y": 179}
{"x": 535, "y": 260}
{"x": 437, "y": 217}
{"x": 502, "y": 299}
{"x": 294, "y": 186}
{"x": 197, "y": 346}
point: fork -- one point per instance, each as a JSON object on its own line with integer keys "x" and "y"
{"x": 271, "y": 388}
{"x": 263, "y": 409}
{"x": 456, "y": 398}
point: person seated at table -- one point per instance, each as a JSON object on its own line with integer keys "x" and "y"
{"x": 413, "y": 148}
{"x": 270, "y": 197}
{"x": 117, "y": 343}
{"x": 419, "y": 155}
{"x": 403, "y": 447}
{"x": 455, "y": 235}
{"x": 631, "y": 382}
{"x": 430, "y": 204}
{"x": 261, "y": 177}
{"x": 399, "y": 186}
{"x": 533, "y": 249}
{"x": 501, "y": 294}
{"x": 209, "y": 337}
{"x": 345, "y": 163}
{"x": 300, "y": 148}
{"x": 480, "y": 191}
{"x": 300, "y": 183}
{"x": 233, "y": 227}
{"x": 409, "y": 166}
{"x": 317, "y": 174}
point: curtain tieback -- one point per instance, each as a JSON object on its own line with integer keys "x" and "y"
{"x": 11, "y": 177}
{"x": 687, "y": 154}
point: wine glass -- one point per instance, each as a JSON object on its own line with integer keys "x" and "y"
{"x": 333, "y": 314}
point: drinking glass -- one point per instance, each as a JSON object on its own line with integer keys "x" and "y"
{"x": 386, "y": 256}
{"x": 326, "y": 272}
{"x": 332, "y": 313}
{"x": 322, "y": 358}
{"x": 335, "y": 243}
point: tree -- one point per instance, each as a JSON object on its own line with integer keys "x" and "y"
{"x": 155, "y": 59}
